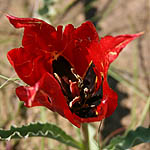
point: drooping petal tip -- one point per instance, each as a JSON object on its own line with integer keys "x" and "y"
{"x": 140, "y": 33}
{"x": 23, "y": 22}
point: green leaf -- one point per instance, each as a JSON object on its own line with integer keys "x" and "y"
{"x": 39, "y": 130}
{"x": 140, "y": 135}
{"x": 43, "y": 10}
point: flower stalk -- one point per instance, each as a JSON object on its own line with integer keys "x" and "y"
{"x": 85, "y": 136}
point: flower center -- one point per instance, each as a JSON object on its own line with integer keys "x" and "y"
{"x": 81, "y": 94}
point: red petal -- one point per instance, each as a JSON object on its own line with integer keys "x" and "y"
{"x": 110, "y": 97}
{"x": 104, "y": 52}
{"x": 78, "y": 40}
{"x": 17, "y": 56}
{"x": 24, "y": 22}
{"x": 87, "y": 31}
{"x": 51, "y": 87}
{"x": 68, "y": 33}
{"x": 28, "y": 94}
{"x": 112, "y": 46}
{"x": 28, "y": 69}
{"x": 38, "y": 94}
{"x": 39, "y": 37}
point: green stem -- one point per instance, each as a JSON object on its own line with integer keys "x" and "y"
{"x": 145, "y": 111}
{"x": 43, "y": 119}
{"x": 85, "y": 136}
{"x": 135, "y": 84}
{"x": 8, "y": 80}
{"x": 126, "y": 83}
{"x": 42, "y": 143}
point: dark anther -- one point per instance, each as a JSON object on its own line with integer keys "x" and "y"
{"x": 85, "y": 100}
{"x": 96, "y": 97}
{"x": 87, "y": 112}
{"x": 90, "y": 98}
{"x": 49, "y": 99}
{"x": 63, "y": 68}
{"x": 89, "y": 79}
{"x": 62, "y": 72}
{"x": 88, "y": 84}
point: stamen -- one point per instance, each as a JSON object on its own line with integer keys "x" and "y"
{"x": 81, "y": 93}
{"x": 86, "y": 90}
{"x": 80, "y": 81}
{"x": 57, "y": 78}
{"x": 77, "y": 98}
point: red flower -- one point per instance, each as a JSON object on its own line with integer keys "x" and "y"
{"x": 66, "y": 71}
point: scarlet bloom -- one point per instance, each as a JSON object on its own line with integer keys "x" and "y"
{"x": 66, "y": 71}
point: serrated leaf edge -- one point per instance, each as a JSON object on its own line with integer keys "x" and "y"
{"x": 39, "y": 133}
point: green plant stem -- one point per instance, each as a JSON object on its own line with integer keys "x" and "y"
{"x": 145, "y": 111}
{"x": 8, "y": 80}
{"x": 126, "y": 83}
{"x": 42, "y": 143}
{"x": 135, "y": 79}
{"x": 85, "y": 136}
{"x": 43, "y": 119}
